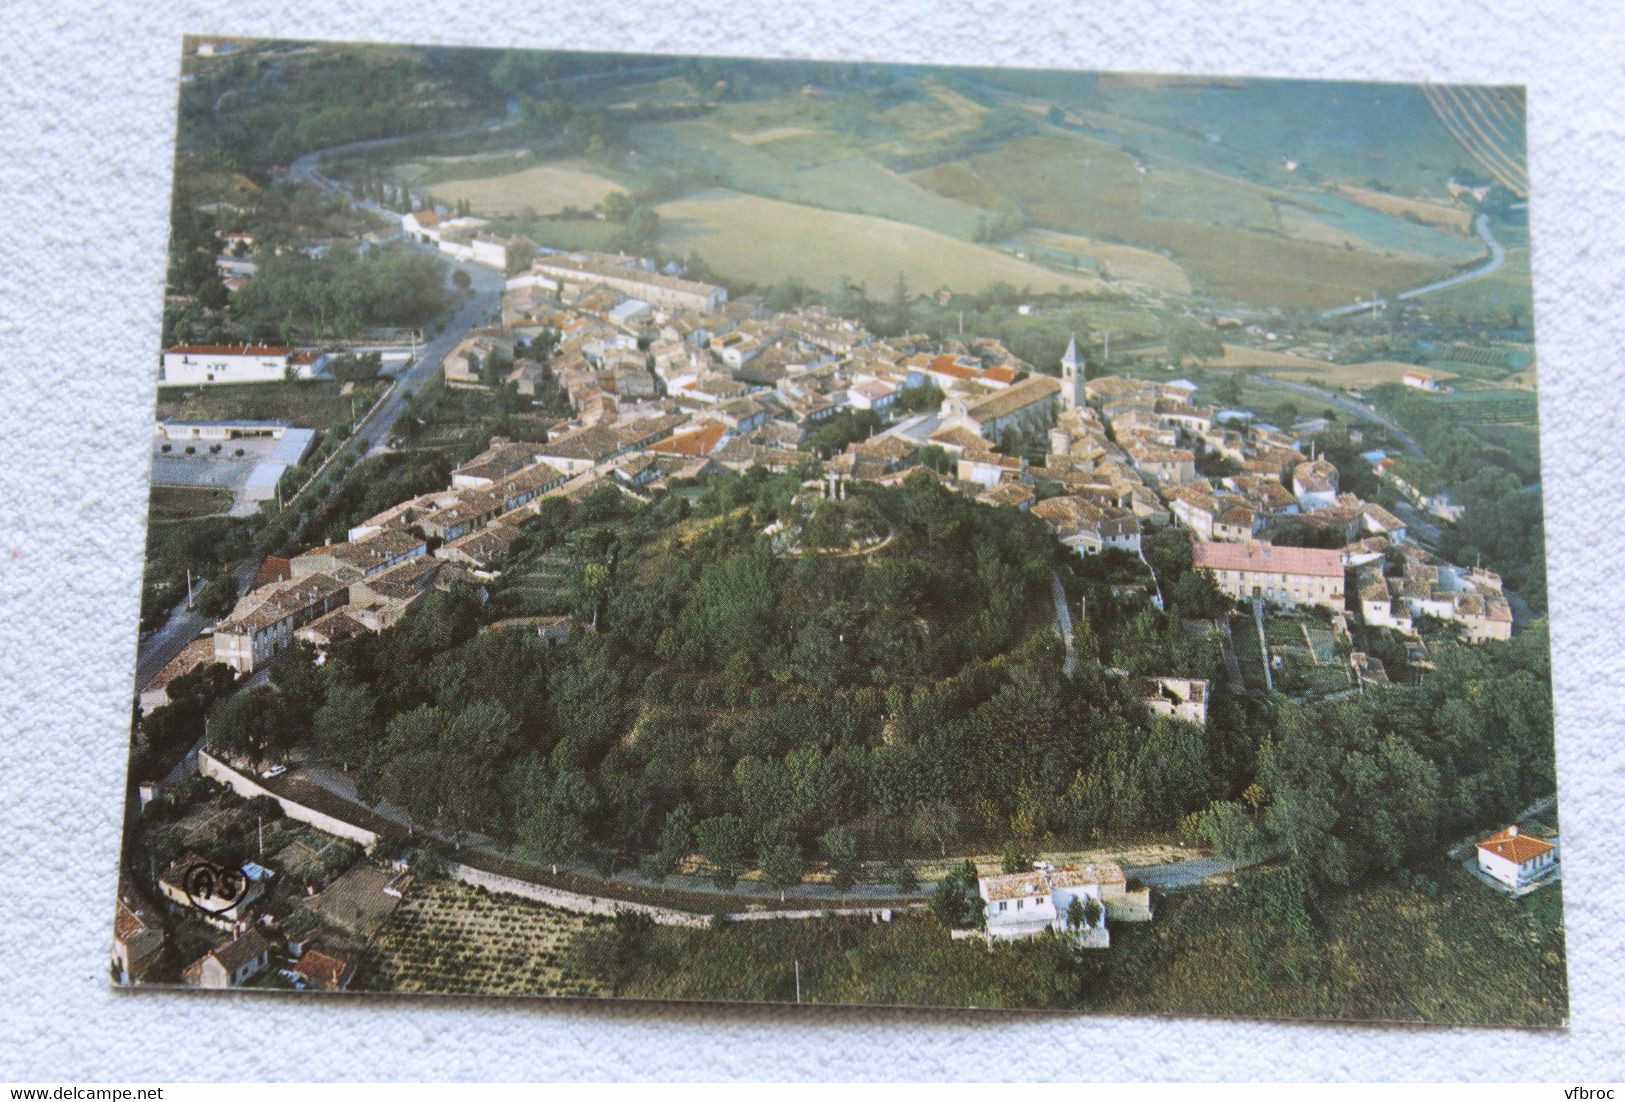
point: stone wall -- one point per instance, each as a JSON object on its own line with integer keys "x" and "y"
{"x": 247, "y": 787}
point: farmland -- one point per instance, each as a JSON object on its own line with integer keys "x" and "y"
{"x": 764, "y": 240}
{"x": 171, "y": 503}
{"x": 314, "y": 403}
{"x": 451, "y": 939}
{"x": 1159, "y": 186}
{"x": 1307, "y": 369}
{"x": 1117, "y": 262}
{"x": 545, "y": 189}
{"x": 1430, "y": 211}
{"x": 1228, "y": 234}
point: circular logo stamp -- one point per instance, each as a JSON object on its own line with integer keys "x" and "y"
{"x": 214, "y": 889}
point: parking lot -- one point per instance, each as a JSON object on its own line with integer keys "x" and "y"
{"x": 224, "y": 469}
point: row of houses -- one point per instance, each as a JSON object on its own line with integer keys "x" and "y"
{"x": 1232, "y": 517}
{"x": 244, "y": 956}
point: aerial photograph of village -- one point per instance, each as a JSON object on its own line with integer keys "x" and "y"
{"x": 747, "y": 530}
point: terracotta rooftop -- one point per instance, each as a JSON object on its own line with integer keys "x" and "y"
{"x": 697, "y": 442}
{"x": 1515, "y": 846}
{"x": 227, "y": 350}
{"x": 1267, "y": 558}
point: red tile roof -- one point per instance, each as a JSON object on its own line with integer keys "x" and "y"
{"x": 274, "y": 568}
{"x": 697, "y": 442}
{"x": 1268, "y": 558}
{"x": 326, "y": 971}
{"x": 947, "y": 365}
{"x": 227, "y": 350}
{"x": 1515, "y": 846}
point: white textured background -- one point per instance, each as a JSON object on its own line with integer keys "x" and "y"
{"x": 87, "y": 98}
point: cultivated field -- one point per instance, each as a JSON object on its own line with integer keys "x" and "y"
{"x": 771, "y": 134}
{"x": 545, "y": 189}
{"x": 764, "y": 240}
{"x": 1304, "y": 369}
{"x": 1119, "y": 262}
{"x": 1224, "y": 234}
{"x": 1433, "y": 213}
{"x": 958, "y": 181}
{"x": 168, "y": 503}
{"x": 452, "y": 939}
{"x": 314, "y": 403}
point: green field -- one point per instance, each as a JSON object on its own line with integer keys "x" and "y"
{"x": 544, "y": 189}
{"x": 571, "y": 233}
{"x": 1168, "y": 186}
{"x": 764, "y": 240}
{"x": 1117, "y": 262}
{"x": 1505, "y": 296}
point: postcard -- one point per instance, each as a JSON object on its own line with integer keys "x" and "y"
{"x": 660, "y": 527}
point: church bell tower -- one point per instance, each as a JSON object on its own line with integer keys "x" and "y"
{"x": 1072, "y": 376}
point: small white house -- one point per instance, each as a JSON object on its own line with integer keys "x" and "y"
{"x": 1516, "y": 860}
{"x": 1026, "y": 904}
{"x": 191, "y": 364}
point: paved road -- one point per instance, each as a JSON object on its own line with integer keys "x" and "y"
{"x": 481, "y": 306}
{"x": 1063, "y": 618}
{"x": 182, "y": 626}
{"x": 1363, "y": 412}
{"x": 1178, "y": 874}
{"x": 307, "y": 169}
{"x": 1497, "y": 257}
{"x": 1186, "y": 874}
{"x": 1417, "y": 524}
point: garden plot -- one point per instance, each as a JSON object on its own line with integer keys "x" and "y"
{"x": 217, "y": 827}
{"x": 306, "y": 854}
{"x": 1304, "y": 658}
{"x": 450, "y": 938}
{"x": 535, "y": 585}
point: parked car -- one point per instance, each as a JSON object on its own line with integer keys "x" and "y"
{"x": 274, "y": 771}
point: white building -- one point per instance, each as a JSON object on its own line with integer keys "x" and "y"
{"x": 191, "y": 364}
{"x": 1087, "y": 527}
{"x": 1026, "y": 904}
{"x": 1516, "y": 860}
{"x": 1285, "y": 576}
{"x": 630, "y": 276}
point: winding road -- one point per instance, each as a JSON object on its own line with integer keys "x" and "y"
{"x": 1497, "y": 256}
{"x": 1363, "y": 412}
{"x": 305, "y": 773}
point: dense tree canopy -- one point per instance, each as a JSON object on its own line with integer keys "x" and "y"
{"x": 294, "y": 296}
